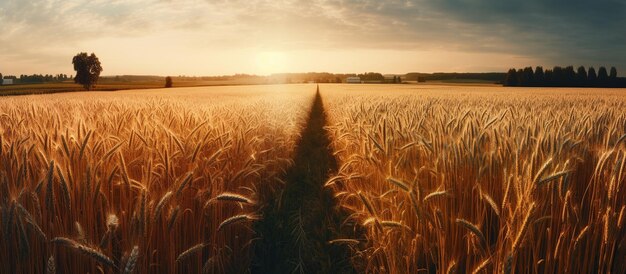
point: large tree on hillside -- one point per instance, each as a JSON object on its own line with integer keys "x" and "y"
{"x": 87, "y": 69}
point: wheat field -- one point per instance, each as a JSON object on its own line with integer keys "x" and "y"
{"x": 422, "y": 179}
{"x": 148, "y": 181}
{"x": 478, "y": 179}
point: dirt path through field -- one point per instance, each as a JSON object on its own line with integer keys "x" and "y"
{"x": 300, "y": 220}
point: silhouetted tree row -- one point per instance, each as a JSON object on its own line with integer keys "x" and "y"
{"x": 494, "y": 77}
{"x": 371, "y": 76}
{"x": 318, "y": 80}
{"x": 40, "y": 78}
{"x": 564, "y": 77}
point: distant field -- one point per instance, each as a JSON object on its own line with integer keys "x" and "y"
{"x": 280, "y": 178}
{"x": 110, "y": 85}
{"x": 68, "y": 87}
{"x": 114, "y": 86}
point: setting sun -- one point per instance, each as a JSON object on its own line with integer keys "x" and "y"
{"x": 271, "y": 62}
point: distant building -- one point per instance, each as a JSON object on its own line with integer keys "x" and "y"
{"x": 6, "y": 81}
{"x": 353, "y": 80}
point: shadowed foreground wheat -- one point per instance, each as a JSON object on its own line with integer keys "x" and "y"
{"x": 480, "y": 179}
{"x": 140, "y": 181}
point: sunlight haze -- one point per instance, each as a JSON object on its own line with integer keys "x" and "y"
{"x": 202, "y": 37}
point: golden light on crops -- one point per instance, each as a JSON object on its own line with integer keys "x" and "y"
{"x": 366, "y": 179}
{"x": 151, "y": 173}
{"x": 482, "y": 179}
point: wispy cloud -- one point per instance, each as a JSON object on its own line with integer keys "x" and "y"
{"x": 39, "y": 34}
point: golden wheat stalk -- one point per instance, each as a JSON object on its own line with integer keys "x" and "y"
{"x": 344, "y": 241}
{"x": 482, "y": 266}
{"x": 474, "y": 229}
{"x": 190, "y": 251}
{"x": 86, "y": 250}
{"x": 366, "y": 202}
{"x": 404, "y": 186}
{"x": 233, "y": 197}
{"x": 234, "y": 220}
{"x": 435, "y": 194}
{"x": 132, "y": 260}
{"x": 51, "y": 266}
{"x": 523, "y": 227}
{"x": 161, "y": 204}
{"x": 580, "y": 236}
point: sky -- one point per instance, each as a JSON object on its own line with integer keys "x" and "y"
{"x": 222, "y": 37}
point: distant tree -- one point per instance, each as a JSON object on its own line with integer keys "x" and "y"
{"x": 603, "y": 77}
{"x": 539, "y": 76}
{"x": 581, "y": 76}
{"x": 613, "y": 74}
{"x": 168, "y": 82}
{"x": 527, "y": 79}
{"x": 569, "y": 76}
{"x": 34, "y": 79}
{"x": 511, "y": 78}
{"x": 592, "y": 77}
{"x": 87, "y": 69}
{"x": 399, "y": 80}
{"x": 613, "y": 77}
{"x": 1, "y": 79}
{"x": 548, "y": 77}
{"x": 372, "y": 76}
{"x": 558, "y": 76}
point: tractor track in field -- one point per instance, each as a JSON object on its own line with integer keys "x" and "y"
{"x": 300, "y": 219}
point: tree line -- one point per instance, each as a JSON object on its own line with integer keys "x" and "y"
{"x": 40, "y": 78}
{"x": 37, "y": 78}
{"x": 563, "y": 77}
{"x": 494, "y": 77}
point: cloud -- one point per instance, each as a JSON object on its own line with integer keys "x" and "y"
{"x": 41, "y": 33}
{"x": 560, "y": 31}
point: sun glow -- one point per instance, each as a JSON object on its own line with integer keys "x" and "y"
{"x": 272, "y": 62}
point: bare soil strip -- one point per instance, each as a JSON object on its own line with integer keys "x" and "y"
{"x": 300, "y": 219}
